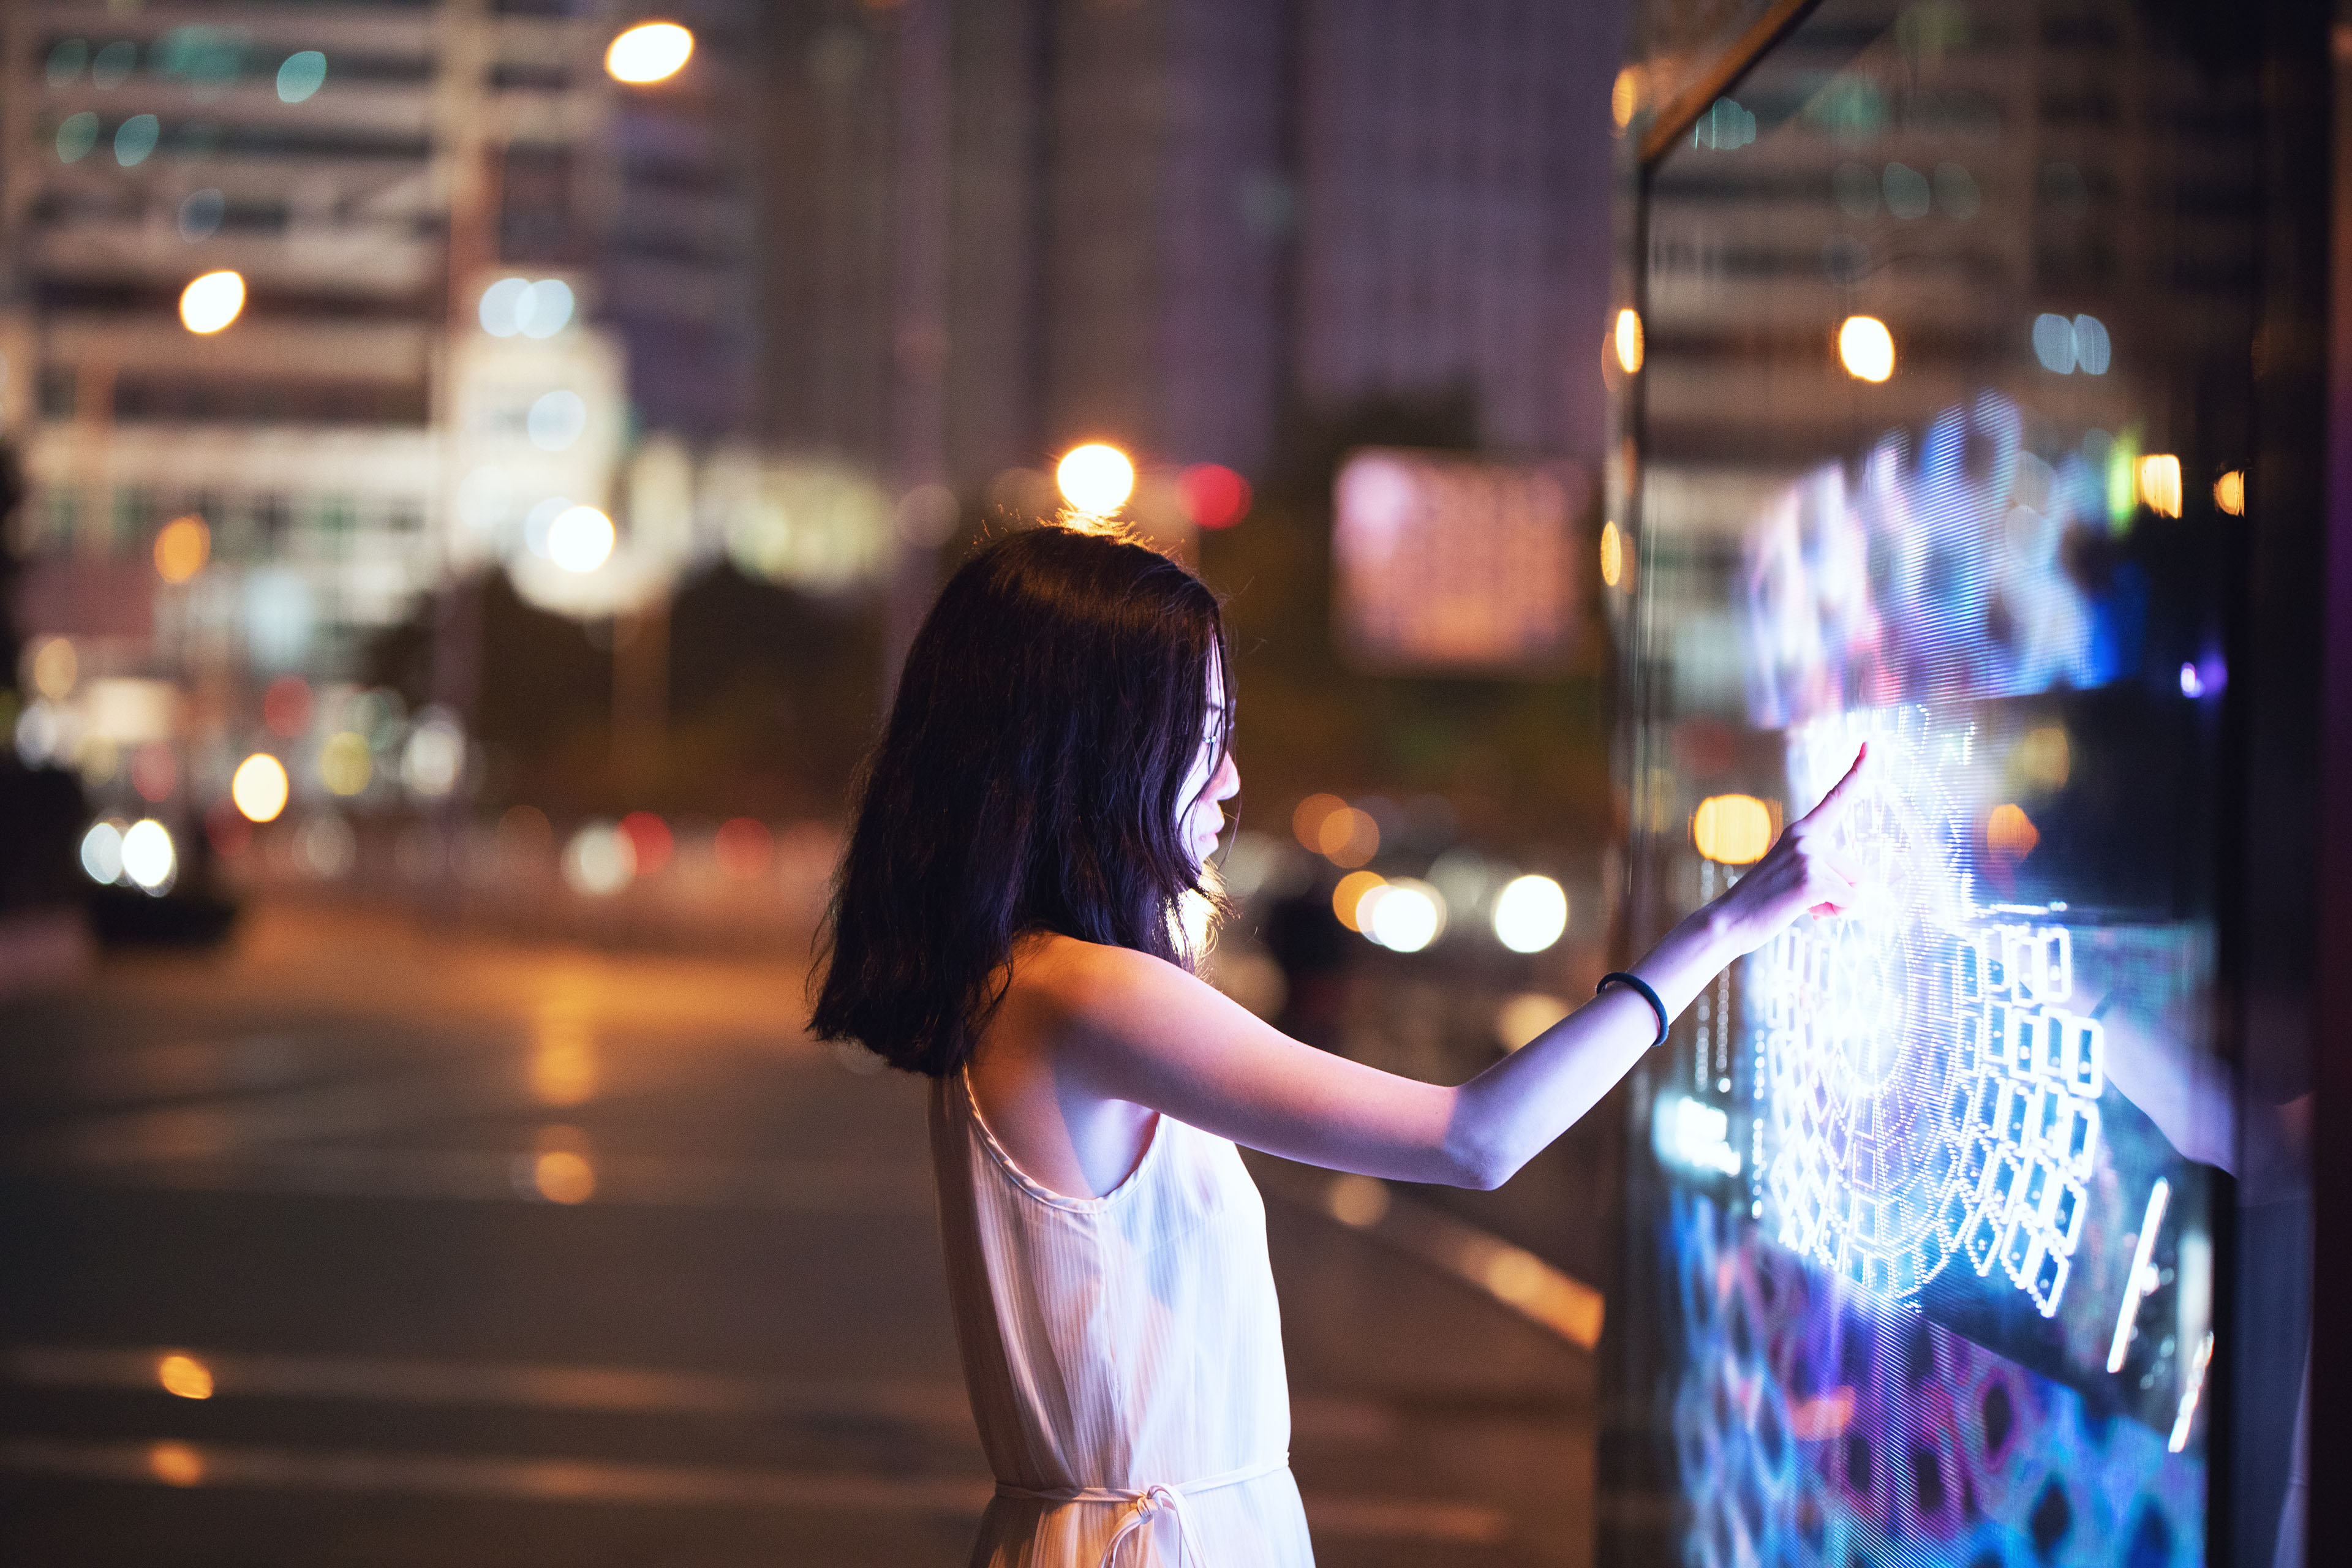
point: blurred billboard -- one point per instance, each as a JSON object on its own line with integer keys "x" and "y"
{"x": 1449, "y": 564}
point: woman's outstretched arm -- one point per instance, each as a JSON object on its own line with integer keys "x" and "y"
{"x": 1141, "y": 1030}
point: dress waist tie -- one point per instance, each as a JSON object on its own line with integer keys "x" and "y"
{"x": 1143, "y": 1505}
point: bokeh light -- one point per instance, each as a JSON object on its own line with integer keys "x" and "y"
{"x": 563, "y": 1176}
{"x": 211, "y": 301}
{"x": 1522, "y": 1018}
{"x": 650, "y": 842}
{"x": 56, "y": 667}
{"x": 345, "y": 763}
{"x": 1096, "y": 478}
{"x": 580, "y": 539}
{"x": 2009, "y": 834}
{"x": 1214, "y": 496}
{"x": 302, "y": 75}
{"x": 650, "y": 52}
{"x": 1732, "y": 829}
{"x": 1348, "y": 898}
{"x": 77, "y": 134}
{"x": 176, "y": 1464}
{"x": 513, "y": 305}
{"x": 102, "y": 852}
{"x": 599, "y": 861}
{"x": 1530, "y": 913}
{"x": 135, "y": 138}
{"x": 556, "y": 421}
{"x": 434, "y": 757}
{"x": 185, "y": 1377}
{"x": 1625, "y": 96}
{"x": 259, "y": 787}
{"x": 744, "y": 848}
{"x": 149, "y": 858}
{"x": 182, "y": 547}
{"x": 1613, "y": 555}
{"x": 2230, "y": 492}
{"x": 1627, "y": 337}
{"x": 155, "y": 772}
{"x": 1407, "y": 916}
{"x": 2158, "y": 477}
{"x": 1866, "y": 348}
{"x": 285, "y": 706}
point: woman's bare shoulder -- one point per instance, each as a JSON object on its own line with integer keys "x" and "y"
{"x": 1082, "y": 983}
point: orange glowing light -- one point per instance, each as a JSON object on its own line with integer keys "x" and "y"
{"x": 185, "y": 1377}
{"x": 2230, "y": 492}
{"x": 2009, "y": 833}
{"x": 1307, "y": 820}
{"x": 649, "y": 836}
{"x": 1732, "y": 829}
{"x": 1866, "y": 348}
{"x": 1627, "y": 340}
{"x": 563, "y": 1177}
{"x": 176, "y": 1464}
{"x": 1214, "y": 495}
{"x": 744, "y": 848}
{"x": 1348, "y": 837}
{"x": 1625, "y": 96}
{"x": 2160, "y": 483}
{"x": 1349, "y": 894}
{"x": 1613, "y": 555}
{"x": 182, "y": 548}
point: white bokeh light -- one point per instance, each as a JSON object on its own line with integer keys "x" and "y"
{"x": 148, "y": 857}
{"x": 1530, "y": 913}
{"x": 579, "y": 540}
{"x": 102, "y": 852}
{"x": 556, "y": 420}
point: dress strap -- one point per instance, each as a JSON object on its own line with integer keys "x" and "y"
{"x": 1144, "y": 1504}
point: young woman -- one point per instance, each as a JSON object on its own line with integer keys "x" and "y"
{"x": 1047, "y": 791}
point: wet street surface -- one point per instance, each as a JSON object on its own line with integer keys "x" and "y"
{"x": 362, "y": 1243}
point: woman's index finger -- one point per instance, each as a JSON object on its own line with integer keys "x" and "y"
{"x": 1834, "y": 802}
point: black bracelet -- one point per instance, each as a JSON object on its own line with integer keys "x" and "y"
{"x": 1642, "y": 986}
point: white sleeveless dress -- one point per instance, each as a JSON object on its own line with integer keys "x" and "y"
{"x": 1124, "y": 1355}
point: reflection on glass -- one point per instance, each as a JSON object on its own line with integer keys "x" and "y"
{"x": 1928, "y": 1226}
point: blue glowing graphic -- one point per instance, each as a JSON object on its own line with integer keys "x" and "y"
{"x": 1936, "y": 571}
{"x": 1930, "y": 1096}
{"x": 1815, "y": 1425}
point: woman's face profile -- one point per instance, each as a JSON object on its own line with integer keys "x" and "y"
{"x": 1213, "y": 779}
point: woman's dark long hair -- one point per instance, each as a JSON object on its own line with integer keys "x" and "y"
{"x": 1049, "y": 713}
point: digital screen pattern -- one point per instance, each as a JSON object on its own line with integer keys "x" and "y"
{"x": 1931, "y": 1096}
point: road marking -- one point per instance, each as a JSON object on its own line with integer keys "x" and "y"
{"x": 170, "y": 1462}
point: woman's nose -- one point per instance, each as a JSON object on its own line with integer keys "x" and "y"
{"x": 1228, "y": 782}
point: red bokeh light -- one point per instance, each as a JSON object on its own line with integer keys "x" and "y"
{"x": 744, "y": 847}
{"x": 1215, "y": 495}
{"x": 285, "y": 706}
{"x": 230, "y": 833}
{"x": 649, "y": 836}
{"x": 154, "y": 770}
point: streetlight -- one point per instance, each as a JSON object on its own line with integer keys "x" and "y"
{"x": 211, "y": 301}
{"x": 1096, "y": 478}
{"x": 649, "y": 52}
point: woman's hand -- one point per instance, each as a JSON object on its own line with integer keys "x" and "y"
{"x": 1798, "y": 875}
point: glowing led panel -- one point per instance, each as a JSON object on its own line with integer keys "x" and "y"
{"x": 1930, "y": 1096}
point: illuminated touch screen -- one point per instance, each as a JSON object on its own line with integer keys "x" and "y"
{"x": 1931, "y": 1260}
